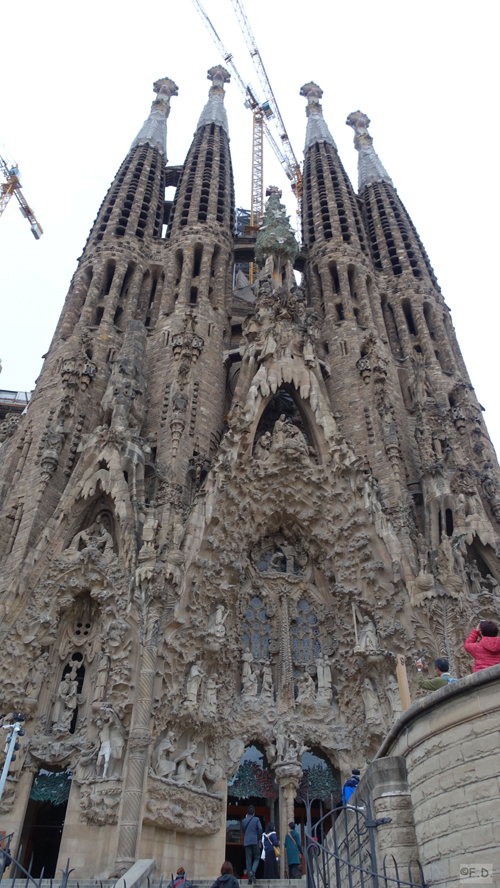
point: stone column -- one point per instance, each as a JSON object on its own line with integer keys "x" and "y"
{"x": 288, "y": 778}
{"x": 129, "y": 827}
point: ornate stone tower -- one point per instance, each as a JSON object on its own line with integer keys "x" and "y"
{"x": 221, "y": 518}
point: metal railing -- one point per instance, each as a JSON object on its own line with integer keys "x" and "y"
{"x": 345, "y": 856}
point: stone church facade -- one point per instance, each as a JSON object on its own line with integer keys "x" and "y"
{"x": 225, "y": 511}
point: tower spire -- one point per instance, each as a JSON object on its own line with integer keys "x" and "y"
{"x": 317, "y": 129}
{"x": 370, "y": 167}
{"x": 154, "y": 129}
{"x": 214, "y": 111}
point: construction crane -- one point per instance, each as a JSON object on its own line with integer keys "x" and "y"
{"x": 291, "y": 164}
{"x": 263, "y": 112}
{"x": 12, "y": 186}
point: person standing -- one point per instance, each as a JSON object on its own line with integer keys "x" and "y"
{"x": 270, "y": 840}
{"x": 350, "y": 785}
{"x": 484, "y": 645}
{"x": 252, "y": 836}
{"x": 180, "y": 880}
{"x": 442, "y": 678}
{"x": 227, "y": 879}
{"x": 293, "y": 848}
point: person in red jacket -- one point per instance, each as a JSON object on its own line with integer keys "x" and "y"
{"x": 484, "y": 645}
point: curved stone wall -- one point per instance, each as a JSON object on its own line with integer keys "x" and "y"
{"x": 450, "y": 741}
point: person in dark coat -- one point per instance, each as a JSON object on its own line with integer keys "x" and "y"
{"x": 180, "y": 881}
{"x": 252, "y": 837}
{"x": 227, "y": 879}
{"x": 484, "y": 645}
{"x": 293, "y": 848}
{"x": 270, "y": 840}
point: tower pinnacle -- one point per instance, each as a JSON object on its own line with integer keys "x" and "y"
{"x": 317, "y": 130}
{"x": 154, "y": 129}
{"x": 214, "y": 111}
{"x": 370, "y": 167}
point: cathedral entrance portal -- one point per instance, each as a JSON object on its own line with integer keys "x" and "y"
{"x": 44, "y": 822}
{"x": 253, "y": 784}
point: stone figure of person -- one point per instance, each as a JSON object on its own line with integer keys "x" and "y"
{"x": 216, "y": 622}
{"x": 324, "y": 674}
{"x": 204, "y": 776}
{"x": 210, "y": 702}
{"x": 306, "y": 690}
{"x": 262, "y": 447}
{"x": 367, "y": 640}
{"x": 36, "y": 677}
{"x": 194, "y": 679}
{"x": 111, "y": 743}
{"x": 249, "y": 677}
{"x": 86, "y": 764}
{"x": 162, "y": 763}
{"x": 185, "y": 766}
{"x": 373, "y": 711}
{"x": 66, "y": 701}
{"x": 279, "y": 433}
{"x": 394, "y": 697}
{"x": 267, "y": 690}
{"x": 102, "y": 679}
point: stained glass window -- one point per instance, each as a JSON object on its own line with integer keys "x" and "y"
{"x": 306, "y": 645}
{"x": 256, "y": 629}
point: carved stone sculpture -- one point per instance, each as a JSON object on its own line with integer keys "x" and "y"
{"x": 324, "y": 674}
{"x": 112, "y": 742}
{"x": 373, "y": 712}
{"x": 193, "y": 684}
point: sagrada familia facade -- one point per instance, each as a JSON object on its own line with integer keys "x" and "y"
{"x": 225, "y": 511}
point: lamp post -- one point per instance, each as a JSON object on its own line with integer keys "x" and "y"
{"x": 12, "y": 744}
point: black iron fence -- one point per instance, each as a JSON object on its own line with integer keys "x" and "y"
{"x": 345, "y": 856}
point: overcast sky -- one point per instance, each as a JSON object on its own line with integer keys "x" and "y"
{"x": 77, "y": 85}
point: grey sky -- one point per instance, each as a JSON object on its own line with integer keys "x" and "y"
{"x": 77, "y": 85}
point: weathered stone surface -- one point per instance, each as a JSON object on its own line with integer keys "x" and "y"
{"x": 221, "y": 517}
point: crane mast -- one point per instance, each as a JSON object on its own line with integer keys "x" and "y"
{"x": 262, "y": 113}
{"x": 292, "y": 167}
{"x": 12, "y": 187}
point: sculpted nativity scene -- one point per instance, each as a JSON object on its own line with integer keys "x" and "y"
{"x": 226, "y": 510}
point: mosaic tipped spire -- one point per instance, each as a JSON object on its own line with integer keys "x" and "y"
{"x": 317, "y": 129}
{"x": 154, "y": 129}
{"x": 370, "y": 167}
{"x": 276, "y": 236}
{"x": 214, "y": 111}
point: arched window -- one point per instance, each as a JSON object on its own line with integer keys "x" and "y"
{"x": 306, "y": 645}
{"x": 256, "y": 629}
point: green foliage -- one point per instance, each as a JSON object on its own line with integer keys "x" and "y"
{"x": 52, "y": 788}
{"x": 252, "y": 781}
{"x": 318, "y": 783}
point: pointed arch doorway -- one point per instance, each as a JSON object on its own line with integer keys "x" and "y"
{"x": 253, "y": 784}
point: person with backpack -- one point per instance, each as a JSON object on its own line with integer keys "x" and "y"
{"x": 350, "y": 785}
{"x": 293, "y": 848}
{"x": 484, "y": 645}
{"x": 252, "y": 837}
{"x": 180, "y": 880}
{"x": 227, "y": 879}
{"x": 442, "y": 678}
{"x": 270, "y": 852}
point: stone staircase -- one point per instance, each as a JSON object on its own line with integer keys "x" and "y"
{"x": 155, "y": 881}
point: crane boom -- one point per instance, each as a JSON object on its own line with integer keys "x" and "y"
{"x": 294, "y": 172}
{"x": 251, "y": 99}
{"x": 12, "y": 187}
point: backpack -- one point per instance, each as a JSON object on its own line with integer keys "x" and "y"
{"x": 448, "y": 678}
